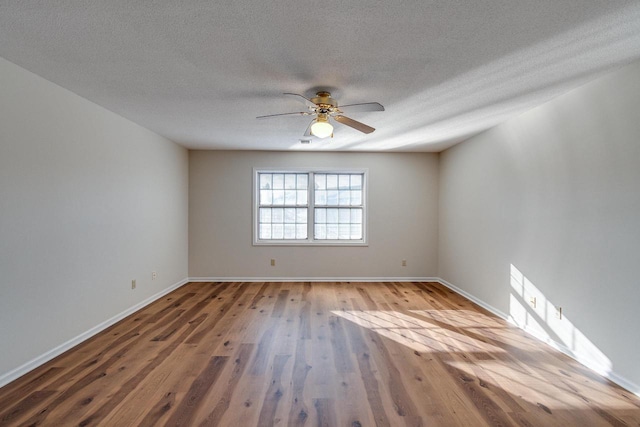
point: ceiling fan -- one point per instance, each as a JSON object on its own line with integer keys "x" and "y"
{"x": 324, "y": 108}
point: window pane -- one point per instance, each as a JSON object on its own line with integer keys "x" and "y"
{"x": 265, "y": 215}
{"x": 303, "y": 181}
{"x": 344, "y": 216}
{"x": 289, "y": 231}
{"x": 321, "y": 181}
{"x": 301, "y": 231}
{"x": 277, "y": 231}
{"x": 265, "y": 231}
{"x": 332, "y": 182}
{"x": 356, "y": 198}
{"x": 356, "y": 182}
{"x": 290, "y": 197}
{"x": 301, "y": 197}
{"x": 277, "y": 215}
{"x": 356, "y": 216}
{"x": 290, "y": 181}
{"x": 301, "y": 216}
{"x": 343, "y": 182}
{"x": 332, "y": 231}
{"x": 278, "y": 181}
{"x": 290, "y": 215}
{"x": 278, "y": 197}
{"x": 332, "y": 198}
{"x": 344, "y": 197}
{"x": 356, "y": 231}
{"x": 332, "y": 216}
{"x": 320, "y": 231}
{"x": 344, "y": 231}
{"x": 265, "y": 197}
{"x": 321, "y": 197}
{"x": 265, "y": 181}
{"x": 321, "y": 215}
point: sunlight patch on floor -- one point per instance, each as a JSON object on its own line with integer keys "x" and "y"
{"x": 415, "y": 333}
{"x": 542, "y": 383}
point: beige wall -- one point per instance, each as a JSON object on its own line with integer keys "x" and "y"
{"x": 549, "y": 202}
{"x": 88, "y": 202}
{"x": 403, "y": 195}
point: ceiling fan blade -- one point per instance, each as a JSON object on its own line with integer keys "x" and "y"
{"x": 301, "y": 98}
{"x": 299, "y": 113}
{"x": 308, "y": 131}
{"x": 364, "y": 107}
{"x": 354, "y": 124}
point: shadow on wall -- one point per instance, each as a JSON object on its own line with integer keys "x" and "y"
{"x": 530, "y": 310}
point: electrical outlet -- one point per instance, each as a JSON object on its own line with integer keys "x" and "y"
{"x": 404, "y": 262}
{"x": 559, "y": 313}
{"x": 154, "y": 275}
{"x": 133, "y": 284}
{"x": 532, "y": 301}
{"x": 273, "y": 262}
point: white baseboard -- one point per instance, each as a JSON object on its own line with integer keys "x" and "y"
{"x": 624, "y": 383}
{"x": 313, "y": 279}
{"x": 45, "y": 357}
{"x": 607, "y": 373}
{"x": 472, "y": 298}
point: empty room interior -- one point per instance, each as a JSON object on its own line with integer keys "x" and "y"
{"x": 319, "y": 214}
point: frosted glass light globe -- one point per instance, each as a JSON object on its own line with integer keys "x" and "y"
{"x": 321, "y": 129}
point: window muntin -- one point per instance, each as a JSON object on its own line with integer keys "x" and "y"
{"x": 309, "y": 207}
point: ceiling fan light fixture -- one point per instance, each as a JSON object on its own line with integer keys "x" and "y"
{"x": 321, "y": 127}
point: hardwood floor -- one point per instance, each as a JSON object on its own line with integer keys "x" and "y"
{"x": 314, "y": 354}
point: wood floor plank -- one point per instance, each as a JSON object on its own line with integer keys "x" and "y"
{"x": 273, "y": 396}
{"x": 299, "y": 408}
{"x": 367, "y": 373}
{"x": 191, "y": 402}
{"x": 325, "y": 411}
{"x": 241, "y": 361}
{"x": 314, "y": 354}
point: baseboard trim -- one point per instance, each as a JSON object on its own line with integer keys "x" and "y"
{"x": 610, "y": 375}
{"x": 624, "y": 383}
{"x": 473, "y": 299}
{"x": 313, "y": 279}
{"x": 45, "y": 357}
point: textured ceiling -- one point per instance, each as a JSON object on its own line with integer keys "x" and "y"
{"x": 199, "y": 72}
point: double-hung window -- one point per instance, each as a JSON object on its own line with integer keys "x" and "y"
{"x": 309, "y": 207}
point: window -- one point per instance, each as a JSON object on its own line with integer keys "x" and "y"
{"x": 316, "y": 207}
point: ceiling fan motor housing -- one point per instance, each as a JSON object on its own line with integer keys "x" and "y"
{"x": 324, "y": 101}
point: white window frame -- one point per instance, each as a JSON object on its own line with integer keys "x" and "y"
{"x": 310, "y": 241}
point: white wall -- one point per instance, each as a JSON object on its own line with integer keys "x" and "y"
{"x": 552, "y": 198}
{"x": 88, "y": 202}
{"x": 403, "y": 195}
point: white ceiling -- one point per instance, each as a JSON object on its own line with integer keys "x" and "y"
{"x": 199, "y": 72}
